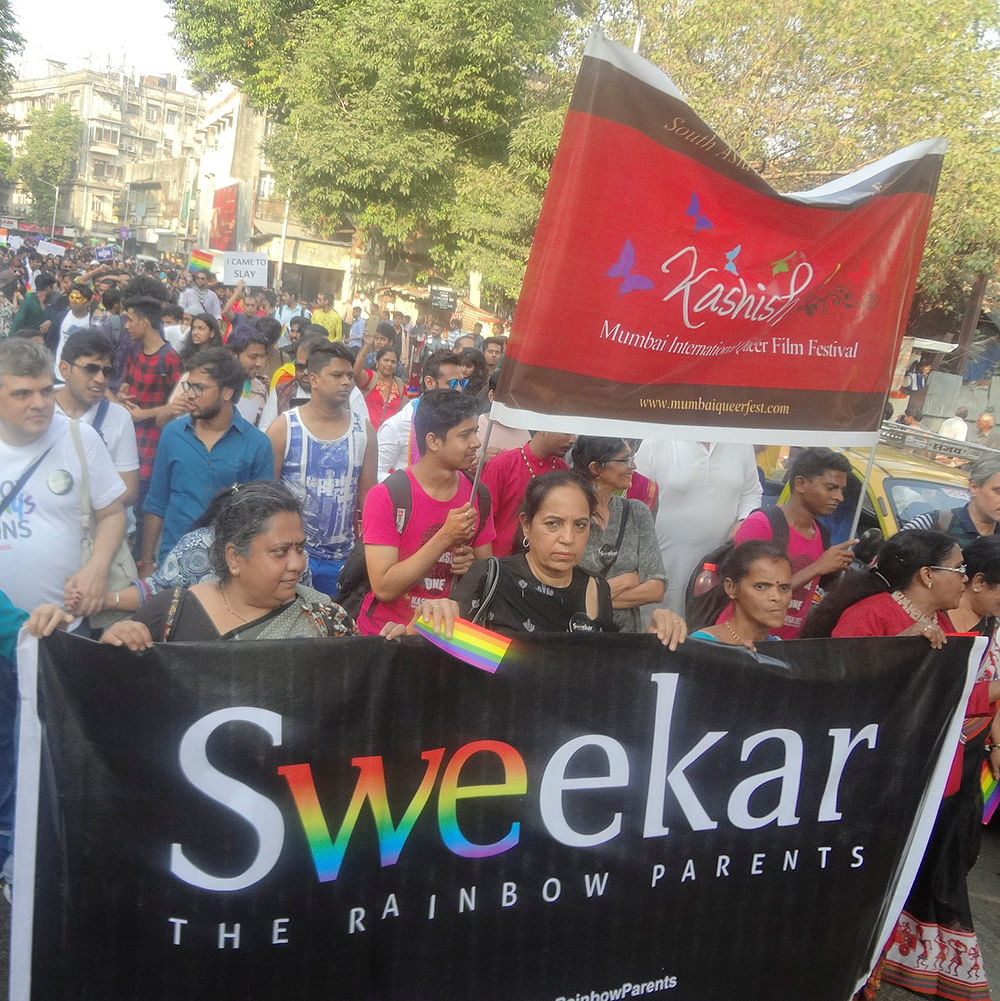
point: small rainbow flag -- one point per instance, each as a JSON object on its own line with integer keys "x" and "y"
{"x": 201, "y": 260}
{"x": 479, "y": 647}
{"x": 991, "y": 792}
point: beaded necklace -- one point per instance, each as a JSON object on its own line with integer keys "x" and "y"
{"x": 907, "y": 606}
{"x": 532, "y": 472}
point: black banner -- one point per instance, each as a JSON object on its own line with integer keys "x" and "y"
{"x": 363, "y": 820}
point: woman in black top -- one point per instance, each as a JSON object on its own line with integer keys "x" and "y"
{"x": 543, "y": 589}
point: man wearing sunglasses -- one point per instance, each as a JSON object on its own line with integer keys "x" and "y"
{"x": 210, "y": 448}
{"x": 77, "y": 318}
{"x": 85, "y": 369}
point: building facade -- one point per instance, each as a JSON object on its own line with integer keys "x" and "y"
{"x": 129, "y": 121}
{"x": 240, "y": 207}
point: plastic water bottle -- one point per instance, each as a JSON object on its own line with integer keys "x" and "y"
{"x": 707, "y": 579}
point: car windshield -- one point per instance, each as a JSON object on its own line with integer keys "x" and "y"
{"x": 912, "y": 497}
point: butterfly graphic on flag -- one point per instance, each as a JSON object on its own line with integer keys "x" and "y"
{"x": 624, "y": 268}
{"x": 694, "y": 211}
{"x": 731, "y": 256}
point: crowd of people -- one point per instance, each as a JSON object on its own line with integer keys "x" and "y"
{"x": 186, "y": 462}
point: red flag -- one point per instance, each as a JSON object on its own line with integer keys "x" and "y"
{"x": 672, "y": 292}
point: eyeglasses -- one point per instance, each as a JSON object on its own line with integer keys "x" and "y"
{"x": 196, "y": 388}
{"x": 458, "y": 383}
{"x": 92, "y": 368}
{"x": 961, "y": 568}
{"x": 629, "y": 461}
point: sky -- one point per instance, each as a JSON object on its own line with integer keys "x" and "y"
{"x": 135, "y": 33}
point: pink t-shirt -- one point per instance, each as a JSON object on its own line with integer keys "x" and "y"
{"x": 427, "y": 515}
{"x": 801, "y": 552}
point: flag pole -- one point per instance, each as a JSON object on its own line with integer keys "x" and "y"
{"x": 482, "y": 459}
{"x": 861, "y": 497}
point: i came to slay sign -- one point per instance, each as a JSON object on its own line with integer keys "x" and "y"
{"x": 372, "y": 821}
{"x": 670, "y": 289}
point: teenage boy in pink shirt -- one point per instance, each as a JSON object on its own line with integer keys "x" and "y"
{"x": 817, "y": 481}
{"x": 413, "y": 554}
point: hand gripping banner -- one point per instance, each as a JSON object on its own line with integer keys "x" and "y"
{"x": 672, "y": 292}
{"x": 370, "y": 821}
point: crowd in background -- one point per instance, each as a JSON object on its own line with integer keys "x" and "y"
{"x": 185, "y": 461}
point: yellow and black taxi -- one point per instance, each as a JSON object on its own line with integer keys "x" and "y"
{"x": 914, "y": 471}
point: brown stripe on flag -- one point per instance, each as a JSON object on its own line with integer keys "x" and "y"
{"x": 559, "y": 393}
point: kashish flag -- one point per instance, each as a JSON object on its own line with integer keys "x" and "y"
{"x": 201, "y": 260}
{"x": 672, "y": 292}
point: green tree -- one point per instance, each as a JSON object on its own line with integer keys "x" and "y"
{"x": 48, "y": 154}
{"x": 438, "y": 119}
{"x": 11, "y": 44}
{"x": 806, "y": 90}
{"x": 397, "y": 114}
{"x": 7, "y": 170}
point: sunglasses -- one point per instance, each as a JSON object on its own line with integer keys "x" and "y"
{"x": 458, "y": 383}
{"x": 961, "y": 568}
{"x": 92, "y": 369}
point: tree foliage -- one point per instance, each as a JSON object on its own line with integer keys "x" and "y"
{"x": 806, "y": 90}
{"x": 439, "y": 118}
{"x": 401, "y": 115}
{"x": 48, "y": 154}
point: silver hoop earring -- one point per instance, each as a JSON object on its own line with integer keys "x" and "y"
{"x": 524, "y": 541}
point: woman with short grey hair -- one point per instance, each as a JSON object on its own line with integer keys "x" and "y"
{"x": 258, "y": 555}
{"x": 622, "y": 546}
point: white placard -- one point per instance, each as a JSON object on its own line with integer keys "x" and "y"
{"x": 56, "y": 249}
{"x": 251, "y": 269}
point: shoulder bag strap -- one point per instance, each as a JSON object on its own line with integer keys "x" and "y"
{"x": 22, "y": 480}
{"x": 85, "y": 512}
{"x": 102, "y": 412}
{"x": 779, "y": 526}
{"x": 490, "y": 583}
{"x": 618, "y": 541}
{"x": 175, "y": 602}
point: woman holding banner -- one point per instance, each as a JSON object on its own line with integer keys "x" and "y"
{"x": 757, "y": 578}
{"x": 543, "y": 589}
{"x": 258, "y": 555}
{"x": 938, "y": 904}
{"x": 918, "y": 577}
{"x": 917, "y": 588}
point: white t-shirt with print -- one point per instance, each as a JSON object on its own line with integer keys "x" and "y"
{"x": 40, "y": 531}
{"x": 118, "y": 432}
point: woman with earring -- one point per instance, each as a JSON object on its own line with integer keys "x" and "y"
{"x": 542, "y": 588}
{"x": 622, "y": 546}
{"x": 938, "y": 903}
{"x": 918, "y": 577}
{"x": 917, "y": 585}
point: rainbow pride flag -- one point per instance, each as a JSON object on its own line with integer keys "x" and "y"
{"x": 479, "y": 647}
{"x": 201, "y": 260}
{"x": 991, "y": 792}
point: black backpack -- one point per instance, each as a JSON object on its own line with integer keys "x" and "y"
{"x": 353, "y": 583}
{"x": 702, "y": 610}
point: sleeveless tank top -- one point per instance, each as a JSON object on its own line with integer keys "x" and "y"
{"x": 325, "y": 474}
